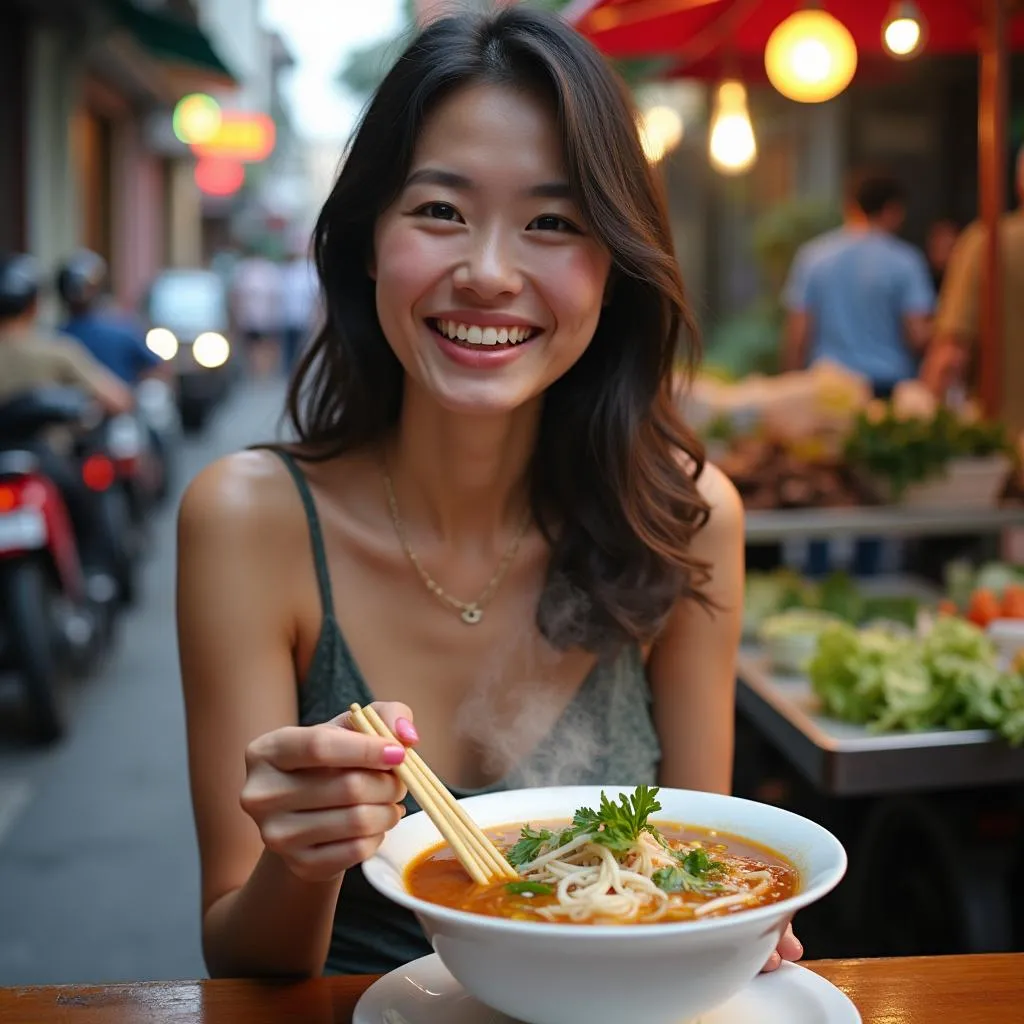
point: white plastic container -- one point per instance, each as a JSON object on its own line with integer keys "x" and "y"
{"x": 968, "y": 483}
{"x": 1008, "y": 636}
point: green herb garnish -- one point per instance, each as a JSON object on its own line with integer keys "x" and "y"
{"x": 691, "y": 873}
{"x": 534, "y": 888}
{"x": 615, "y": 825}
{"x": 618, "y": 826}
{"x": 531, "y": 842}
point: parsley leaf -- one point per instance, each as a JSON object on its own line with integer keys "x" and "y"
{"x": 691, "y": 874}
{"x": 618, "y": 825}
{"x": 615, "y": 825}
{"x": 698, "y": 862}
{"x": 531, "y": 841}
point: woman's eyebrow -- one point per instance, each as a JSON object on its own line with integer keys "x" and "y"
{"x": 450, "y": 179}
{"x": 435, "y": 176}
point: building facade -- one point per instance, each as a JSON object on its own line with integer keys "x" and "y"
{"x": 80, "y": 81}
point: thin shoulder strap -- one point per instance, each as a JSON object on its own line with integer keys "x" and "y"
{"x": 316, "y": 536}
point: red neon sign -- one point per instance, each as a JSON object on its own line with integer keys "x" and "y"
{"x": 219, "y": 177}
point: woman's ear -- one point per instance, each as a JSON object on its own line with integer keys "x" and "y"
{"x": 371, "y": 266}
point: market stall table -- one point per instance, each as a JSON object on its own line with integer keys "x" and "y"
{"x": 878, "y": 521}
{"x": 899, "y": 770}
{"x": 925, "y": 990}
{"x": 840, "y": 759}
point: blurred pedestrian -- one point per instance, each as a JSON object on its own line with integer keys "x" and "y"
{"x": 859, "y": 295}
{"x": 256, "y": 291}
{"x": 299, "y": 304}
{"x": 113, "y": 338}
{"x": 957, "y": 322}
{"x": 32, "y": 356}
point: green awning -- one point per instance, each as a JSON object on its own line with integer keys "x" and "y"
{"x": 172, "y": 39}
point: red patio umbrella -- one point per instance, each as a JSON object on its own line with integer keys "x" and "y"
{"x": 694, "y": 29}
{"x": 707, "y": 37}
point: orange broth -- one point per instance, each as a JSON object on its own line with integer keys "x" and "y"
{"x": 437, "y": 876}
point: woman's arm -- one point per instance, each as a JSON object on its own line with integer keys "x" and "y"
{"x": 692, "y": 666}
{"x": 240, "y": 538}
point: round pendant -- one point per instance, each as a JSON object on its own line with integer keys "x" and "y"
{"x": 472, "y": 615}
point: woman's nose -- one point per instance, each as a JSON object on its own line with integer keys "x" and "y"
{"x": 490, "y": 268}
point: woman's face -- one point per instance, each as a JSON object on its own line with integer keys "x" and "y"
{"x": 489, "y": 284}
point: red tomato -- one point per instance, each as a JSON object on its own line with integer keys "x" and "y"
{"x": 984, "y": 608}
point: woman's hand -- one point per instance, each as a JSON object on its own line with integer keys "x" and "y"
{"x": 323, "y": 796}
{"x": 789, "y": 948}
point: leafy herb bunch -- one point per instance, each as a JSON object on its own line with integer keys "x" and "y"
{"x": 904, "y": 451}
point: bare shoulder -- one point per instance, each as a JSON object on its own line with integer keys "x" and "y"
{"x": 246, "y": 494}
{"x": 725, "y": 507}
{"x": 724, "y": 501}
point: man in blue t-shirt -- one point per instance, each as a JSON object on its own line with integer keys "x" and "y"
{"x": 114, "y": 339}
{"x": 859, "y": 295}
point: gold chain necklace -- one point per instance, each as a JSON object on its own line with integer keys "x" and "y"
{"x": 470, "y": 612}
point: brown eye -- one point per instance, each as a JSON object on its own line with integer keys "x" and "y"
{"x": 439, "y": 211}
{"x": 551, "y": 222}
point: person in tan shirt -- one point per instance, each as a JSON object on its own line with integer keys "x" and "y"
{"x": 31, "y": 357}
{"x": 957, "y": 321}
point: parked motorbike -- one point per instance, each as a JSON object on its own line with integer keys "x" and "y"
{"x": 118, "y": 468}
{"x": 57, "y": 593}
{"x": 157, "y": 407}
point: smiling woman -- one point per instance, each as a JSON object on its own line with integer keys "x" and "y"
{"x": 512, "y": 529}
{"x": 455, "y": 250}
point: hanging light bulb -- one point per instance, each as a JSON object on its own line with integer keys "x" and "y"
{"x": 661, "y": 130}
{"x": 903, "y": 32}
{"x": 810, "y": 57}
{"x": 732, "y": 146}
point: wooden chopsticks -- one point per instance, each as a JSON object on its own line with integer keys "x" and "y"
{"x": 478, "y": 855}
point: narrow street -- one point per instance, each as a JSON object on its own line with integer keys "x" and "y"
{"x": 98, "y": 868}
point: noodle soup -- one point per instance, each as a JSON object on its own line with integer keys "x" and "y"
{"x": 611, "y": 866}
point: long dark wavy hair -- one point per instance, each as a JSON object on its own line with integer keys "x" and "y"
{"x": 610, "y": 487}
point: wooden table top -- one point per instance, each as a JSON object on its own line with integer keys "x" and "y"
{"x": 914, "y": 990}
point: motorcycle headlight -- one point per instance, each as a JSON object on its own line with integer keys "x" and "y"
{"x": 211, "y": 350}
{"x": 162, "y": 342}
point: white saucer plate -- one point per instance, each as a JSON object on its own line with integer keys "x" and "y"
{"x": 424, "y": 992}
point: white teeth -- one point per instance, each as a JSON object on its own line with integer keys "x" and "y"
{"x": 477, "y": 335}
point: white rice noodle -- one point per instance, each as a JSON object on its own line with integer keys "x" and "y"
{"x": 557, "y": 854}
{"x": 764, "y": 881}
{"x": 590, "y": 883}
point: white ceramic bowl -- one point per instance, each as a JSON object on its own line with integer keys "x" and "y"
{"x": 544, "y": 973}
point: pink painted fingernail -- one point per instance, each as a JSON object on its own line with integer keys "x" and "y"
{"x": 394, "y": 754}
{"x": 406, "y": 731}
